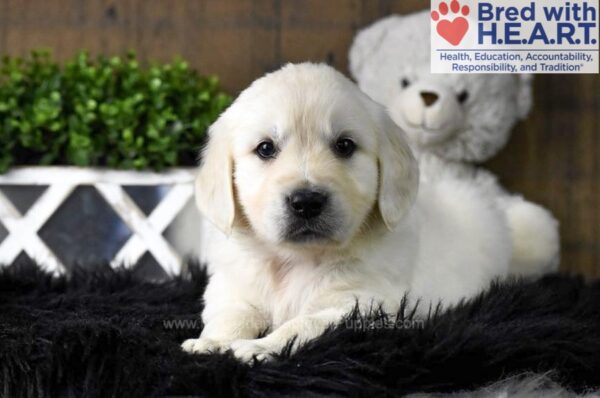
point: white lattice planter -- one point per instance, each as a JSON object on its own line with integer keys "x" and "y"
{"x": 146, "y": 230}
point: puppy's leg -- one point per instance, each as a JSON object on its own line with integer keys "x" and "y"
{"x": 302, "y": 329}
{"x": 227, "y": 316}
{"x": 227, "y": 323}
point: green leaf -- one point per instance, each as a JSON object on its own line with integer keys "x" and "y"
{"x": 108, "y": 111}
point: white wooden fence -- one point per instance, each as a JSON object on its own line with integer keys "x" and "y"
{"x": 61, "y": 181}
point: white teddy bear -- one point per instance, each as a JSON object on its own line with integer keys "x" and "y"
{"x": 454, "y": 121}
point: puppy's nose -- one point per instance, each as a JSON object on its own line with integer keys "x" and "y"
{"x": 428, "y": 97}
{"x": 307, "y": 203}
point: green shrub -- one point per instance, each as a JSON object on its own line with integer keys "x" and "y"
{"x": 104, "y": 112}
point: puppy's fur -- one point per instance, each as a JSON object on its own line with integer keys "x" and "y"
{"x": 379, "y": 235}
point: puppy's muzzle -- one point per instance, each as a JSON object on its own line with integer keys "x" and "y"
{"x": 307, "y": 203}
{"x": 310, "y": 216}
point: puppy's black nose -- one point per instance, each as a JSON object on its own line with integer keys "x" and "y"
{"x": 428, "y": 97}
{"x": 307, "y": 203}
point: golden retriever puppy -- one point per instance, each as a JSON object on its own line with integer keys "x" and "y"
{"x": 312, "y": 197}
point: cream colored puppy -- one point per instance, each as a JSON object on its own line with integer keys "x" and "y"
{"x": 311, "y": 193}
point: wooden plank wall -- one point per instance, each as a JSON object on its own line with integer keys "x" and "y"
{"x": 551, "y": 159}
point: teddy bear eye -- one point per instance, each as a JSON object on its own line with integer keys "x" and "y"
{"x": 404, "y": 83}
{"x": 462, "y": 96}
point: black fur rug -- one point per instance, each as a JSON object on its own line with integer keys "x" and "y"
{"x": 108, "y": 334}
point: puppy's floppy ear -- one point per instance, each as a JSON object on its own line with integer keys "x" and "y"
{"x": 214, "y": 183}
{"x": 398, "y": 173}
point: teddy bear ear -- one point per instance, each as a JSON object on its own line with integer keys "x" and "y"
{"x": 524, "y": 95}
{"x": 367, "y": 42}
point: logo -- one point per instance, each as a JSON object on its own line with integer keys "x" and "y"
{"x": 452, "y": 30}
{"x": 514, "y": 36}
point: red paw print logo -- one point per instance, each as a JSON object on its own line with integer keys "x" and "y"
{"x": 451, "y": 30}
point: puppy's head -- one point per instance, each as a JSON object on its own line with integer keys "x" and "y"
{"x": 303, "y": 157}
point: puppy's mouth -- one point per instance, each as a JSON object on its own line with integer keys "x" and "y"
{"x": 305, "y": 235}
{"x": 309, "y": 231}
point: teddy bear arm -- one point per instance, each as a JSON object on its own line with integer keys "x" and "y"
{"x": 534, "y": 234}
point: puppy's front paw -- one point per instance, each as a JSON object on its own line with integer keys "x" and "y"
{"x": 204, "y": 345}
{"x": 246, "y": 349}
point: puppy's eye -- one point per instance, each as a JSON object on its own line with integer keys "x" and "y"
{"x": 404, "y": 83}
{"x": 266, "y": 149}
{"x": 463, "y": 96}
{"x": 344, "y": 147}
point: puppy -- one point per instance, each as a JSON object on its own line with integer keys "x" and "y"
{"x": 311, "y": 193}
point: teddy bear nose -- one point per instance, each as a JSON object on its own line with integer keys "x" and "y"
{"x": 428, "y": 97}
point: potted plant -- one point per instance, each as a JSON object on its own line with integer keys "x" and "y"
{"x": 101, "y": 150}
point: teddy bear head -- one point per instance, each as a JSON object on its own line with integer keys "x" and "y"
{"x": 461, "y": 117}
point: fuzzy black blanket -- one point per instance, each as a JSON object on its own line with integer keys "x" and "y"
{"x": 105, "y": 333}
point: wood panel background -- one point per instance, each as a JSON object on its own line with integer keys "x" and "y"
{"x": 552, "y": 158}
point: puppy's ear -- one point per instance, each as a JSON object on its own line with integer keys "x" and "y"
{"x": 398, "y": 173}
{"x": 214, "y": 184}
